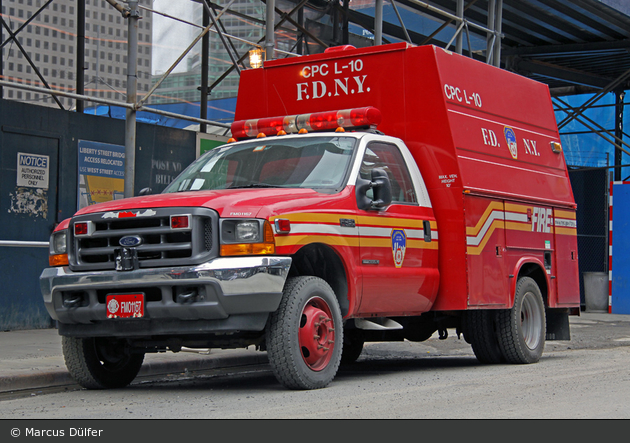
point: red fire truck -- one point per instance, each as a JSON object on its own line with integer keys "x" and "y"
{"x": 378, "y": 194}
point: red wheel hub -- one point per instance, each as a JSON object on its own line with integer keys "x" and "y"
{"x": 317, "y": 334}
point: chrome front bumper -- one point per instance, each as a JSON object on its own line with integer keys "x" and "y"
{"x": 221, "y": 288}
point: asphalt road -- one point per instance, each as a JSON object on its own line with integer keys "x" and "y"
{"x": 586, "y": 377}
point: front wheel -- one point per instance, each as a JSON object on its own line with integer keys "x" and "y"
{"x": 100, "y": 363}
{"x": 522, "y": 328}
{"x": 305, "y": 335}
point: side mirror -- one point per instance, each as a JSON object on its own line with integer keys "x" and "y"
{"x": 145, "y": 191}
{"x": 381, "y": 188}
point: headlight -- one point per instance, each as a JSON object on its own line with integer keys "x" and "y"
{"x": 241, "y": 231}
{"x": 247, "y": 231}
{"x": 246, "y": 237}
{"x": 58, "y": 243}
{"x": 58, "y": 248}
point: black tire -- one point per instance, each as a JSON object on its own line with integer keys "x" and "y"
{"x": 480, "y": 332}
{"x": 305, "y": 335}
{"x": 522, "y": 328}
{"x": 100, "y": 363}
{"x": 352, "y": 348}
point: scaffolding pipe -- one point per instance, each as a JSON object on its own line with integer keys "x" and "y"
{"x": 460, "y": 40}
{"x": 270, "y": 29}
{"x": 24, "y": 244}
{"x": 174, "y": 115}
{"x": 490, "y": 36}
{"x": 596, "y": 128}
{"x": 619, "y": 107}
{"x": 496, "y": 56}
{"x": 132, "y": 90}
{"x": 402, "y": 25}
{"x": 447, "y": 14}
{"x": 80, "y": 88}
{"x": 205, "y": 49}
{"x": 378, "y": 23}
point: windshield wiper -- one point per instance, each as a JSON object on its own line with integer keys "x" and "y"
{"x": 253, "y": 185}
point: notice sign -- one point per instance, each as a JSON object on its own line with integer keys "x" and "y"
{"x": 101, "y": 172}
{"x": 33, "y": 170}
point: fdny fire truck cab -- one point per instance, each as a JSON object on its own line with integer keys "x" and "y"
{"x": 378, "y": 194}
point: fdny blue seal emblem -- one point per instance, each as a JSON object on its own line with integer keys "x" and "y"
{"x": 510, "y": 138}
{"x": 399, "y": 245}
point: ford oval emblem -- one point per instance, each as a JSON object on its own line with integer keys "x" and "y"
{"x": 129, "y": 241}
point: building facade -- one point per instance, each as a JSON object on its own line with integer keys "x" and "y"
{"x": 50, "y": 41}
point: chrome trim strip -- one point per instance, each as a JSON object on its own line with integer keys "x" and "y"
{"x": 234, "y": 275}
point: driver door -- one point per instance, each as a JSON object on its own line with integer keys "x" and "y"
{"x": 398, "y": 244}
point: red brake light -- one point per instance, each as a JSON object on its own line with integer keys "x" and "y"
{"x": 318, "y": 121}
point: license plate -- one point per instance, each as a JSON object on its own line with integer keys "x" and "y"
{"x": 125, "y": 305}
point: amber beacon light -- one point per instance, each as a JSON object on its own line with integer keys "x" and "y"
{"x": 256, "y": 58}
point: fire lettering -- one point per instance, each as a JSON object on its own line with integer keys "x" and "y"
{"x": 542, "y": 220}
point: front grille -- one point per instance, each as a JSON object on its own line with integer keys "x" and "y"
{"x": 161, "y": 245}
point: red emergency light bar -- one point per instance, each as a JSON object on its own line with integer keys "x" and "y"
{"x": 317, "y": 121}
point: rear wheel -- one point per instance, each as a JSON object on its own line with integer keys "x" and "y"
{"x": 480, "y": 332}
{"x": 305, "y": 335}
{"x": 522, "y": 328}
{"x": 100, "y": 363}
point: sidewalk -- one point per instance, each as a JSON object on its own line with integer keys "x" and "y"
{"x": 32, "y": 359}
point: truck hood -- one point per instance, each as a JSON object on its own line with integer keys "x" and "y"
{"x": 261, "y": 203}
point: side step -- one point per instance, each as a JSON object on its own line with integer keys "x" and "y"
{"x": 376, "y": 324}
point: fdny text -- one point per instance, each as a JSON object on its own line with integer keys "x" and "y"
{"x": 332, "y": 80}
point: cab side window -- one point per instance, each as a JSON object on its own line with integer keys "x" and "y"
{"x": 388, "y": 157}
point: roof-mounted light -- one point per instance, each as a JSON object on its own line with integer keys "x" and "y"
{"x": 317, "y": 121}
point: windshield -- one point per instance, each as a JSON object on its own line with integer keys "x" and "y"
{"x": 309, "y": 162}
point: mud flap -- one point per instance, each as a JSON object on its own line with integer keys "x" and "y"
{"x": 558, "y": 324}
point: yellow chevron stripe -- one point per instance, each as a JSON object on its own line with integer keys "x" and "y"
{"x": 566, "y": 231}
{"x": 313, "y": 217}
{"x": 512, "y": 225}
{"x": 473, "y": 231}
{"x": 387, "y": 243}
{"x": 516, "y": 226}
{"x": 565, "y": 214}
{"x": 513, "y": 207}
{"x": 338, "y": 240}
{"x": 383, "y": 222}
{"x": 332, "y": 218}
{"x": 476, "y": 250}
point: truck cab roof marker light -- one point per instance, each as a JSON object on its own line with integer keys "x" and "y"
{"x": 317, "y": 121}
{"x": 556, "y": 147}
{"x": 283, "y": 225}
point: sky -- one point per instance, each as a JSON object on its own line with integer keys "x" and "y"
{"x": 170, "y": 37}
